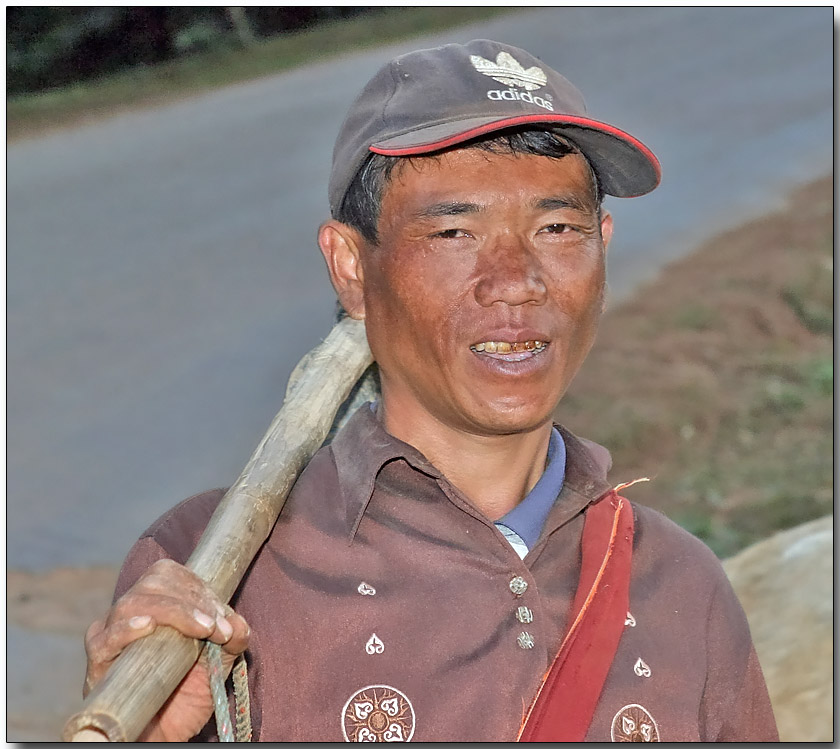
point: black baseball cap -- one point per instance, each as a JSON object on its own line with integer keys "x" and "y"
{"x": 433, "y": 99}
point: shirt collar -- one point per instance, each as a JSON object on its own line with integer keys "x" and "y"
{"x": 360, "y": 450}
{"x": 363, "y": 447}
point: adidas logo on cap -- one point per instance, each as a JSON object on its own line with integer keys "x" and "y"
{"x": 510, "y": 72}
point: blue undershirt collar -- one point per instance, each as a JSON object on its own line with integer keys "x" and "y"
{"x": 528, "y": 517}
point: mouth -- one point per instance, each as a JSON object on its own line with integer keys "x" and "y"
{"x": 509, "y": 351}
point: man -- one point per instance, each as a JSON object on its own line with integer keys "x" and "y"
{"x": 453, "y": 563}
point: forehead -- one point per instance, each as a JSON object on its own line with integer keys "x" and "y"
{"x": 487, "y": 177}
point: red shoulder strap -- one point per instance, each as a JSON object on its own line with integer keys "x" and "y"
{"x": 565, "y": 702}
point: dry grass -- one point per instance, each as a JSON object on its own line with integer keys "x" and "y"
{"x": 716, "y": 380}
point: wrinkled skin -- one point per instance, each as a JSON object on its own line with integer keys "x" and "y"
{"x": 477, "y": 246}
{"x": 168, "y": 594}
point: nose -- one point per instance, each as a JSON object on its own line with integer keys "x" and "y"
{"x": 510, "y": 273}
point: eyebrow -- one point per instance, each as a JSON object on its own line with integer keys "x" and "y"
{"x": 452, "y": 208}
{"x": 559, "y": 202}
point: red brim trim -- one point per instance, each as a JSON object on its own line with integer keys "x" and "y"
{"x": 490, "y": 127}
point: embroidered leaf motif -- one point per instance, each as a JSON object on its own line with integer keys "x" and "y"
{"x": 374, "y": 645}
{"x": 363, "y": 709}
{"x": 378, "y": 713}
{"x": 390, "y": 706}
{"x": 634, "y": 723}
{"x": 394, "y": 733}
{"x": 366, "y": 735}
{"x": 366, "y": 590}
{"x": 641, "y": 668}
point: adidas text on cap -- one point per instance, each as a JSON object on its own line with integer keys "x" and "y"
{"x": 432, "y": 99}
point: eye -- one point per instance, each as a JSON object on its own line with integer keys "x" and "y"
{"x": 557, "y": 229}
{"x": 451, "y": 234}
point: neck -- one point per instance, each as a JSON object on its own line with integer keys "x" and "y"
{"x": 494, "y": 472}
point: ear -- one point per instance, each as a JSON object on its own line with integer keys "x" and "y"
{"x": 606, "y": 236}
{"x": 606, "y": 228}
{"x": 340, "y": 244}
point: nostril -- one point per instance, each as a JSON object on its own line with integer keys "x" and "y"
{"x": 512, "y": 289}
{"x": 511, "y": 273}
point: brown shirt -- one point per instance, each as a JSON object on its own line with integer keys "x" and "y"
{"x": 385, "y": 606}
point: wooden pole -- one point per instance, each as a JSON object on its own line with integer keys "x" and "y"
{"x": 148, "y": 670}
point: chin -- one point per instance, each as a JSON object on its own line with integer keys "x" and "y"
{"x": 512, "y": 418}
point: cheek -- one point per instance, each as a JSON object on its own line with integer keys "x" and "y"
{"x": 397, "y": 319}
{"x": 391, "y": 297}
{"x": 589, "y": 313}
{"x": 414, "y": 290}
{"x": 579, "y": 284}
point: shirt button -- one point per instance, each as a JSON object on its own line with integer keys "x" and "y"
{"x": 518, "y": 585}
{"x": 525, "y": 641}
{"x": 524, "y": 615}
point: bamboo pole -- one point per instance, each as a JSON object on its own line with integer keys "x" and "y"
{"x": 148, "y": 670}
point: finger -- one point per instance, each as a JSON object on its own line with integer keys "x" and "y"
{"x": 190, "y": 618}
{"x": 103, "y": 645}
{"x": 240, "y": 635}
{"x": 94, "y": 629}
{"x": 93, "y": 672}
{"x": 224, "y": 628}
{"x": 167, "y": 579}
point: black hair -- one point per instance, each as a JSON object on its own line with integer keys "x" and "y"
{"x": 362, "y": 202}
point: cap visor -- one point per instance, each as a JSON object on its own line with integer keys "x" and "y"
{"x": 625, "y": 166}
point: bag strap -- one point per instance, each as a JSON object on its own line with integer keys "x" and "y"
{"x": 566, "y": 699}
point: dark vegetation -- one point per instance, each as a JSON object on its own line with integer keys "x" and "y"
{"x": 48, "y": 47}
{"x": 68, "y": 66}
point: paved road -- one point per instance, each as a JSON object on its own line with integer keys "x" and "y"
{"x": 163, "y": 277}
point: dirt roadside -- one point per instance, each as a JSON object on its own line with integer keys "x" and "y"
{"x": 715, "y": 380}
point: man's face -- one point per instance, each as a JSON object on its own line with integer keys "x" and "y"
{"x": 483, "y": 297}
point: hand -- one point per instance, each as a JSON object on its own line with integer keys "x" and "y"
{"x": 168, "y": 594}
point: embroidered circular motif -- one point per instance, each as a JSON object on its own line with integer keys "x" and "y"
{"x": 378, "y": 713}
{"x": 634, "y": 723}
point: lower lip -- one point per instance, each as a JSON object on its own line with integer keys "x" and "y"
{"x": 515, "y": 362}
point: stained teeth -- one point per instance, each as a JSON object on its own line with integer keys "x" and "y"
{"x": 503, "y": 347}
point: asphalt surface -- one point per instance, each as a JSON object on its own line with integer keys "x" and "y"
{"x": 163, "y": 277}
